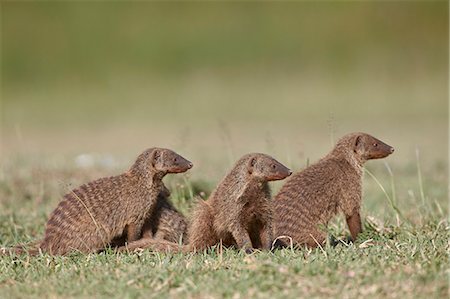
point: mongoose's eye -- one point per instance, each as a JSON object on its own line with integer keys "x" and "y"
{"x": 175, "y": 160}
{"x": 274, "y": 166}
{"x": 375, "y": 144}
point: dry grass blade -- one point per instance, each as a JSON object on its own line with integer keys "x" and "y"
{"x": 102, "y": 236}
{"x": 320, "y": 247}
{"x": 391, "y": 203}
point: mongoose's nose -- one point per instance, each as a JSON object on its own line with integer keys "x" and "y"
{"x": 392, "y": 150}
{"x": 190, "y": 164}
{"x": 290, "y": 172}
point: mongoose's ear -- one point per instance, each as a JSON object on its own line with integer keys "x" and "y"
{"x": 156, "y": 154}
{"x": 251, "y": 164}
{"x": 357, "y": 144}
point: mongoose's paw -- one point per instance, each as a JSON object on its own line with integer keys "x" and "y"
{"x": 349, "y": 240}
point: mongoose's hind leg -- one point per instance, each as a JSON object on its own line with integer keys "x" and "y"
{"x": 133, "y": 232}
{"x": 202, "y": 234}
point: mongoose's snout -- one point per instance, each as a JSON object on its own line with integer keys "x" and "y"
{"x": 377, "y": 149}
{"x": 181, "y": 164}
{"x": 284, "y": 173}
{"x": 278, "y": 171}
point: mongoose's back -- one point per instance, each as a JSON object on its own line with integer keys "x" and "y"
{"x": 89, "y": 216}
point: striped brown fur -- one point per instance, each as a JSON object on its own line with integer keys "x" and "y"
{"x": 238, "y": 206}
{"x": 92, "y": 215}
{"x": 311, "y": 197}
{"x": 164, "y": 223}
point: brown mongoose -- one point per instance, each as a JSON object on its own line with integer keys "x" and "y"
{"x": 164, "y": 223}
{"x": 239, "y": 205}
{"x": 92, "y": 215}
{"x": 311, "y": 197}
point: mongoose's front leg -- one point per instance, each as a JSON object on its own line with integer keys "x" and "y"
{"x": 242, "y": 238}
{"x": 354, "y": 224}
{"x": 133, "y": 232}
{"x": 267, "y": 236}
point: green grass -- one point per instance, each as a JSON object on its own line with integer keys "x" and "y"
{"x": 214, "y": 81}
{"x": 407, "y": 266}
{"x": 395, "y": 257}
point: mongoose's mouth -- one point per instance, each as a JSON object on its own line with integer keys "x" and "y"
{"x": 280, "y": 176}
{"x": 184, "y": 168}
{"x": 179, "y": 170}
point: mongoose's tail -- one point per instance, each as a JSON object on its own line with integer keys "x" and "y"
{"x": 31, "y": 248}
{"x": 155, "y": 245}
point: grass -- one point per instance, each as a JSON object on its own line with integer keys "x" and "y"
{"x": 214, "y": 81}
{"x": 395, "y": 257}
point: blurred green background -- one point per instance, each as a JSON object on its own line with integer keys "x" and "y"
{"x": 216, "y": 80}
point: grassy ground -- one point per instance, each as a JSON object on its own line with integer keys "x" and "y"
{"x": 215, "y": 80}
{"x": 399, "y": 255}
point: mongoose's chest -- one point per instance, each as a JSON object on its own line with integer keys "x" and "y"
{"x": 253, "y": 211}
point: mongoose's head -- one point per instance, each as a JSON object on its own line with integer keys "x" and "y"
{"x": 165, "y": 160}
{"x": 161, "y": 160}
{"x": 364, "y": 146}
{"x": 266, "y": 168}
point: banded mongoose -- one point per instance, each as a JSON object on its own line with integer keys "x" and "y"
{"x": 240, "y": 205}
{"x": 92, "y": 215}
{"x": 164, "y": 223}
{"x": 311, "y": 197}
